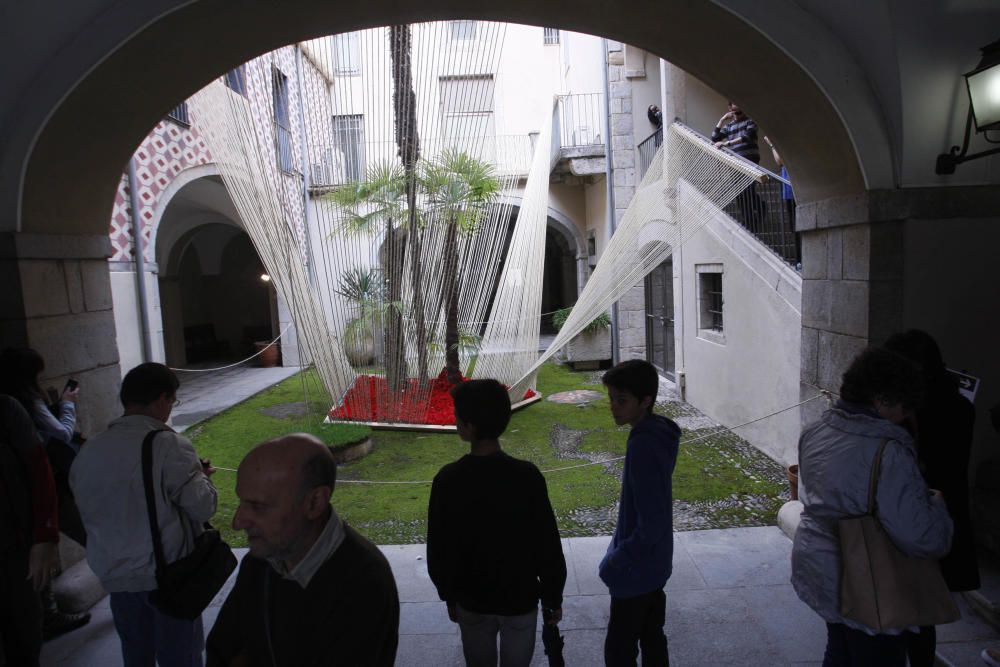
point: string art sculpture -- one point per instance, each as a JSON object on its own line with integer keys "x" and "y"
{"x": 379, "y": 199}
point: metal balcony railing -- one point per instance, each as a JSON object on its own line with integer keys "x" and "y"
{"x": 337, "y": 163}
{"x": 766, "y": 208}
{"x": 581, "y": 120}
{"x": 179, "y": 115}
{"x": 646, "y": 150}
{"x": 283, "y": 139}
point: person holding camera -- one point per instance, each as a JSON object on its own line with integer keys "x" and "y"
{"x": 21, "y": 371}
{"x": 107, "y": 481}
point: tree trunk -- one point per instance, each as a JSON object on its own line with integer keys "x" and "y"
{"x": 391, "y": 257}
{"x": 449, "y": 284}
{"x": 404, "y": 102}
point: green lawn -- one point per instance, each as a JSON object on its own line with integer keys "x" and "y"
{"x": 719, "y": 481}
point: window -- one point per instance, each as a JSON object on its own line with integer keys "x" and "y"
{"x": 282, "y": 125}
{"x": 179, "y": 114}
{"x": 710, "y": 302}
{"x": 236, "y": 80}
{"x": 551, "y": 35}
{"x": 463, "y": 31}
{"x": 467, "y": 114}
{"x": 347, "y": 54}
{"x": 349, "y": 142}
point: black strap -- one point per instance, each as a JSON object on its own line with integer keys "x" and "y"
{"x": 148, "y": 484}
{"x": 873, "y": 482}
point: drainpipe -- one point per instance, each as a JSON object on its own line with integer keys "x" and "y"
{"x": 609, "y": 175}
{"x": 678, "y": 264}
{"x": 140, "y": 261}
{"x": 304, "y": 160}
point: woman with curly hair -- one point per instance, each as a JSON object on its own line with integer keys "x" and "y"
{"x": 836, "y": 455}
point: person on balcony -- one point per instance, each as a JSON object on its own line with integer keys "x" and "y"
{"x": 737, "y": 132}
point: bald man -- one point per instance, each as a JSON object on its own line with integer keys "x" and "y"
{"x": 312, "y": 591}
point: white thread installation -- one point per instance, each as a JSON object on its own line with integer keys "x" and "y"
{"x": 410, "y": 222}
{"x": 688, "y": 182}
{"x": 350, "y": 79}
{"x": 823, "y": 394}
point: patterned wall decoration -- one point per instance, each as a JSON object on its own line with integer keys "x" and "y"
{"x": 165, "y": 152}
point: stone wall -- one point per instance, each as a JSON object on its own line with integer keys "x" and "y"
{"x": 631, "y": 307}
{"x": 57, "y": 300}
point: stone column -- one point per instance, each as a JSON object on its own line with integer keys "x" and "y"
{"x": 57, "y": 300}
{"x": 631, "y": 307}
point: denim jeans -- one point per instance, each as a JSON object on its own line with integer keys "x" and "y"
{"x": 847, "y": 647}
{"x": 637, "y": 623}
{"x": 479, "y": 638}
{"x": 149, "y": 636}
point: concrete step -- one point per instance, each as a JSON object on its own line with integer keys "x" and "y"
{"x": 986, "y": 600}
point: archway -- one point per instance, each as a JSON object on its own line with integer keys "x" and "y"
{"x": 771, "y": 86}
{"x": 559, "y": 279}
{"x": 214, "y": 303}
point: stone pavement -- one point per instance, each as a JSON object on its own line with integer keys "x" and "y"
{"x": 728, "y": 603}
{"x": 205, "y": 394}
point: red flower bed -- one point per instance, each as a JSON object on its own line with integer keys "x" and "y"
{"x": 369, "y": 400}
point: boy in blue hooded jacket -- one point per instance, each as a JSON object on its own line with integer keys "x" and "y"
{"x": 640, "y": 556}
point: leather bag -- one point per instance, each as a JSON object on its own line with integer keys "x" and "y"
{"x": 880, "y": 586}
{"x": 186, "y": 586}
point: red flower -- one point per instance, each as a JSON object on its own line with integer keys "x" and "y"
{"x": 370, "y": 400}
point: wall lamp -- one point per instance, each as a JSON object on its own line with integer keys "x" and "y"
{"x": 983, "y": 84}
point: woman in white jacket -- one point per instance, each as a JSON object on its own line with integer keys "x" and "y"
{"x": 836, "y": 455}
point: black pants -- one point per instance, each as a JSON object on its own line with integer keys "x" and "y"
{"x": 20, "y": 611}
{"x": 637, "y": 623}
{"x": 921, "y": 647}
{"x": 847, "y": 647}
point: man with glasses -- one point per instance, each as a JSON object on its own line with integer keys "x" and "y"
{"x": 106, "y": 479}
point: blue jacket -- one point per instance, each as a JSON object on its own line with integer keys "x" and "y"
{"x": 640, "y": 556}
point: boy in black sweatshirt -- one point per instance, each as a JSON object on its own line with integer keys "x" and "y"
{"x": 493, "y": 546}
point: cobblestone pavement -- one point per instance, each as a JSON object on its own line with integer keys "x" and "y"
{"x": 727, "y": 449}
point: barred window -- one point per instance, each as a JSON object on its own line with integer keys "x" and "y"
{"x": 349, "y": 140}
{"x": 551, "y": 35}
{"x": 710, "y": 301}
{"x": 463, "y": 31}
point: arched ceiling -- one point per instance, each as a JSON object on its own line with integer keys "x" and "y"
{"x": 84, "y": 143}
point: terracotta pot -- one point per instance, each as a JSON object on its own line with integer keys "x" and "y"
{"x": 793, "y": 480}
{"x": 269, "y": 357}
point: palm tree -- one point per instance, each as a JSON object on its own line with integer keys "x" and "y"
{"x": 404, "y": 108}
{"x": 461, "y": 189}
{"x": 367, "y": 207}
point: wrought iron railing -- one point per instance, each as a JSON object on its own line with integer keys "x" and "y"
{"x": 336, "y": 163}
{"x": 179, "y": 114}
{"x": 581, "y": 120}
{"x": 283, "y": 138}
{"x": 646, "y": 150}
{"x": 766, "y": 208}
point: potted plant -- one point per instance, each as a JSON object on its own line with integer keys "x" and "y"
{"x": 591, "y": 346}
{"x": 363, "y": 286}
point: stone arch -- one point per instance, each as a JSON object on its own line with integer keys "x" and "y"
{"x": 771, "y": 86}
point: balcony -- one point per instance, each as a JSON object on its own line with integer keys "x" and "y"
{"x": 578, "y": 147}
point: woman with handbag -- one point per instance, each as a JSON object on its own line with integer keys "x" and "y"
{"x": 859, "y": 478}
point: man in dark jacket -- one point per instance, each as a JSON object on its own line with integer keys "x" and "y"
{"x": 640, "y": 557}
{"x": 312, "y": 591}
{"x": 493, "y": 545}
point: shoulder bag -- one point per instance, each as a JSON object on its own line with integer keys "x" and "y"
{"x": 880, "y": 586}
{"x": 186, "y": 586}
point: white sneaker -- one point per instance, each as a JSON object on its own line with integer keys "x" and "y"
{"x": 991, "y": 656}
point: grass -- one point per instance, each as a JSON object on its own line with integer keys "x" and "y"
{"x": 720, "y": 478}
